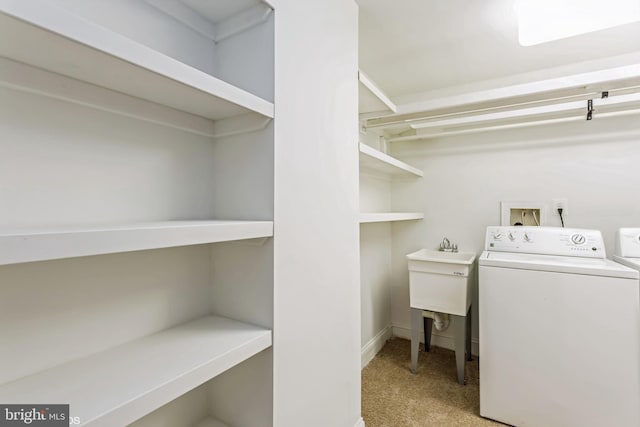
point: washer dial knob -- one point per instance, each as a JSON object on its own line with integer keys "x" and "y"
{"x": 578, "y": 239}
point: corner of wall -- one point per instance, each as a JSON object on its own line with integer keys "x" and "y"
{"x": 373, "y": 347}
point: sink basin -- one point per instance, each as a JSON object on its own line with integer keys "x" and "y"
{"x": 455, "y": 263}
{"x": 441, "y": 281}
{"x": 440, "y": 256}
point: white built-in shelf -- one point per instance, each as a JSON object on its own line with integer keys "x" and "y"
{"x": 377, "y": 161}
{"x": 120, "y": 385}
{"x": 390, "y": 216}
{"x": 210, "y": 422}
{"x": 45, "y": 36}
{"x": 371, "y": 98}
{"x": 38, "y": 244}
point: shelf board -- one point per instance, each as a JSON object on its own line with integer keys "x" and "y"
{"x": 377, "y": 161}
{"x": 371, "y": 97}
{"x": 58, "y": 41}
{"x": 389, "y": 216}
{"x": 19, "y": 245}
{"x": 120, "y": 385}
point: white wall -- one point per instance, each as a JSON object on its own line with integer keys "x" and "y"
{"x": 63, "y": 163}
{"x": 593, "y": 164}
{"x": 375, "y": 192}
{"x": 316, "y": 260}
{"x": 375, "y": 280}
{"x": 375, "y": 264}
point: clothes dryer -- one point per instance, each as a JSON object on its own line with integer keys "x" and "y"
{"x": 628, "y": 247}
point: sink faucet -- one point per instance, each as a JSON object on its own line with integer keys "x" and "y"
{"x": 446, "y": 246}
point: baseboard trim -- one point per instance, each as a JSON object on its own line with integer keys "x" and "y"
{"x": 439, "y": 339}
{"x": 372, "y": 348}
{"x": 359, "y": 423}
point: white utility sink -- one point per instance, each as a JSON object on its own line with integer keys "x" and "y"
{"x": 441, "y": 281}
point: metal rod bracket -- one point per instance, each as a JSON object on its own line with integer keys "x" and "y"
{"x": 590, "y": 109}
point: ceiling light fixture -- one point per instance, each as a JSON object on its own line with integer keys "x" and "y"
{"x": 541, "y": 21}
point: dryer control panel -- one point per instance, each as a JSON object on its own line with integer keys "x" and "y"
{"x": 628, "y": 242}
{"x": 546, "y": 241}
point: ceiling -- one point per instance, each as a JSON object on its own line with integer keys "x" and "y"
{"x": 219, "y": 11}
{"x": 413, "y": 46}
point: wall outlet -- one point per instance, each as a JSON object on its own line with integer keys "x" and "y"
{"x": 529, "y": 213}
{"x": 560, "y": 203}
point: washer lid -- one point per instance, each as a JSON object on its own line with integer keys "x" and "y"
{"x": 629, "y": 262}
{"x": 559, "y": 264}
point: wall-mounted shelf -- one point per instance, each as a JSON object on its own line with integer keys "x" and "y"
{"x": 371, "y": 98}
{"x": 120, "y": 385}
{"x": 390, "y": 216}
{"x": 377, "y": 161}
{"x": 25, "y": 245}
{"x": 61, "y": 42}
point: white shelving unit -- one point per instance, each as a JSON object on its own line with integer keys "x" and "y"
{"x": 379, "y": 174}
{"x": 58, "y": 41}
{"x": 377, "y": 161}
{"x": 118, "y": 386}
{"x": 27, "y": 245}
{"x": 390, "y": 217}
{"x": 128, "y": 115}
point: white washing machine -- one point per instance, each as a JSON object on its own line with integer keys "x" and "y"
{"x": 559, "y": 330}
{"x": 628, "y": 247}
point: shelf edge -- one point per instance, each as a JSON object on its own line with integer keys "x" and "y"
{"x": 20, "y": 247}
{"x": 376, "y": 91}
{"x": 246, "y": 341}
{"x": 366, "y": 218}
{"x": 388, "y": 160}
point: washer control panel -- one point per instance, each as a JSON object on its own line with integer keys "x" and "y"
{"x": 628, "y": 242}
{"x": 547, "y": 241}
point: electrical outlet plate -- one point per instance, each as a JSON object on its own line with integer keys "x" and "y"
{"x": 512, "y": 213}
{"x": 561, "y": 202}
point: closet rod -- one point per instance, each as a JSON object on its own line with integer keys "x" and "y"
{"x": 414, "y": 119}
{"x": 573, "y": 115}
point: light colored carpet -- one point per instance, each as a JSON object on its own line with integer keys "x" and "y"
{"x": 394, "y": 397}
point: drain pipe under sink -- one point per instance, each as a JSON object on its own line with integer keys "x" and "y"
{"x": 440, "y": 320}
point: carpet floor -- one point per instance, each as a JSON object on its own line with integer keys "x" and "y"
{"x": 394, "y": 397}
